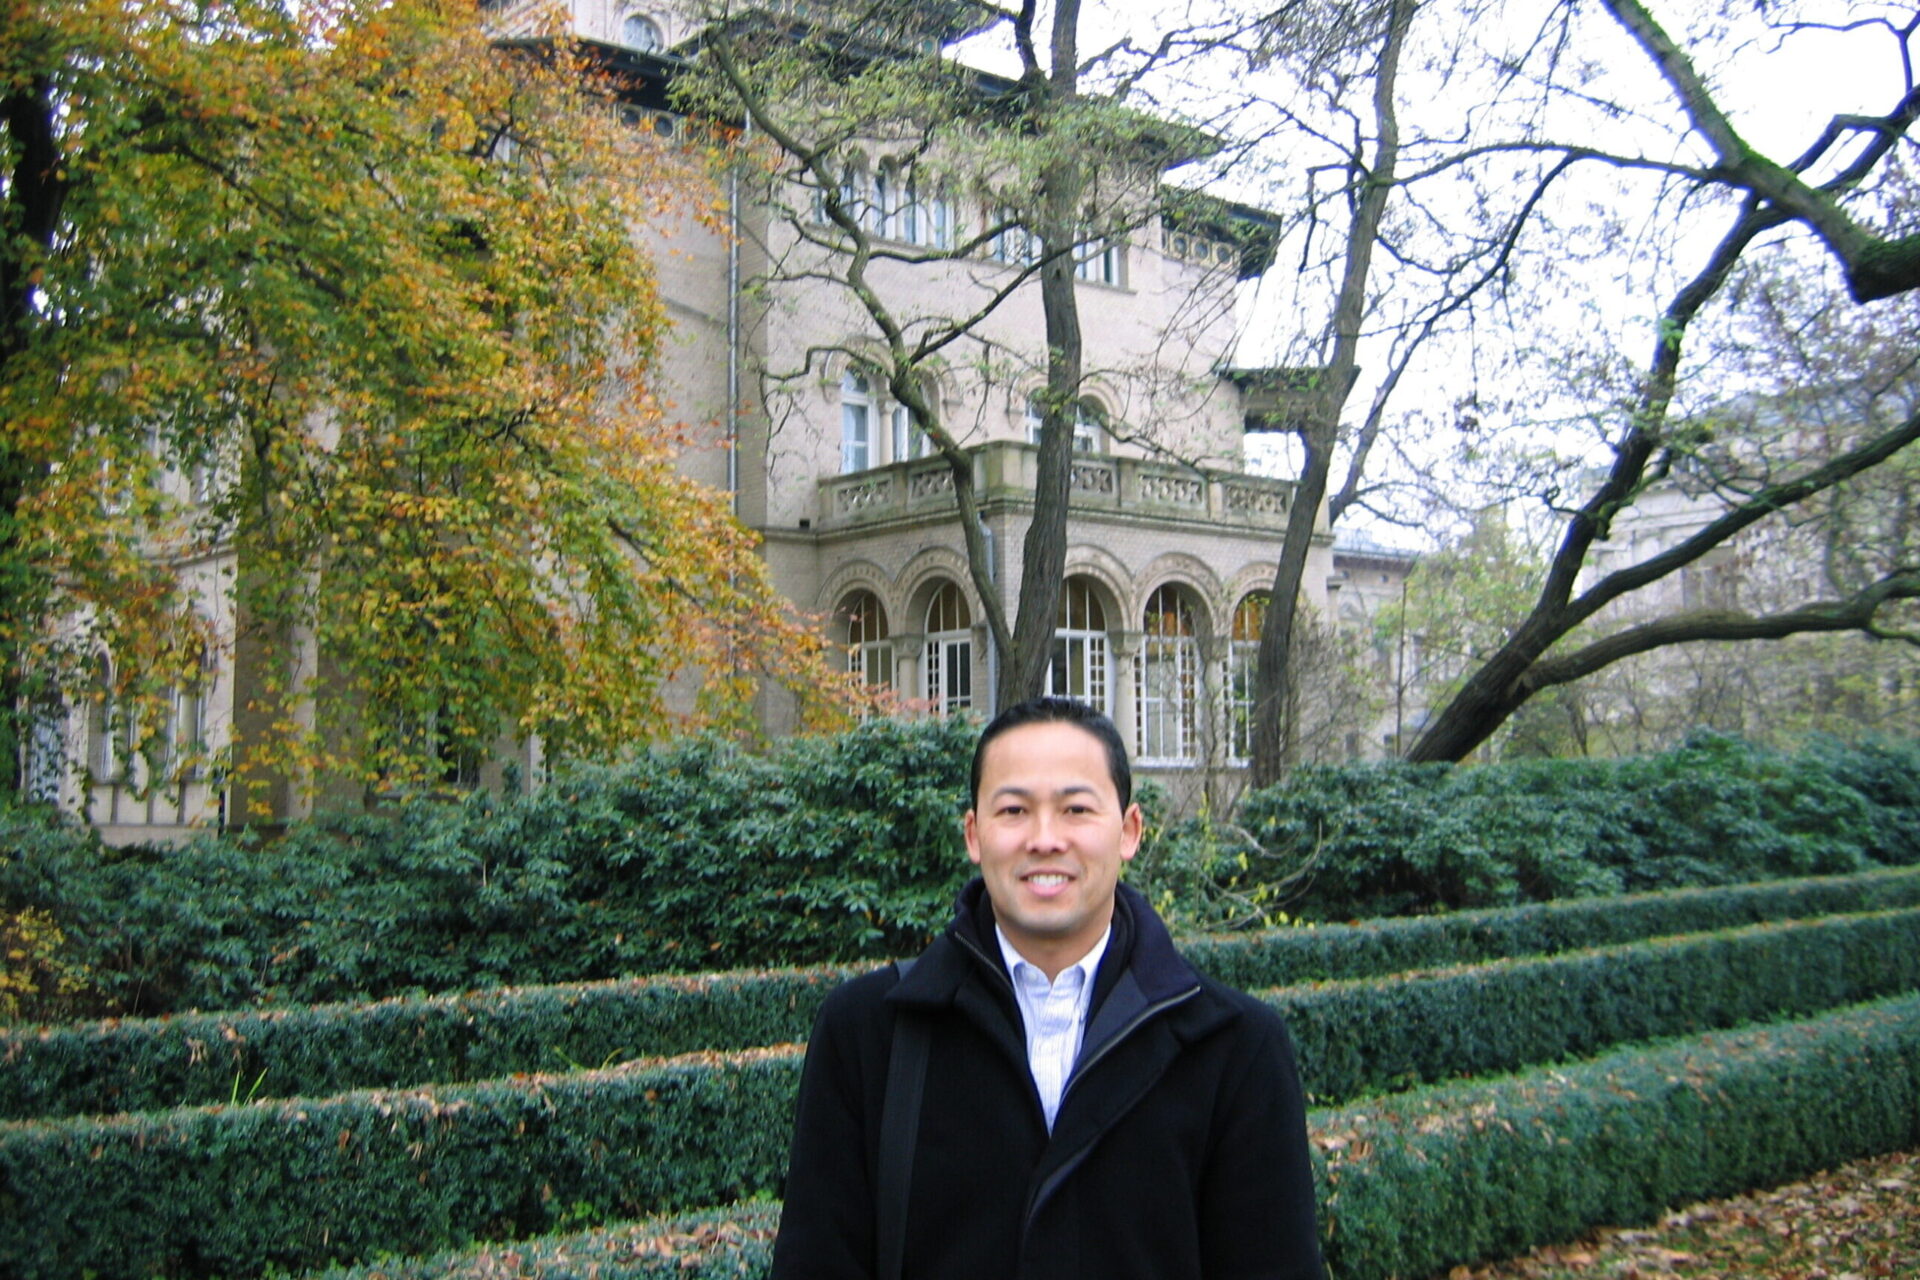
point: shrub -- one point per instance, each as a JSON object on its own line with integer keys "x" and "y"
{"x": 521, "y": 1154}
{"x": 1417, "y": 1183}
{"x": 36, "y": 979}
{"x": 1393, "y": 838}
{"x": 1389, "y": 945}
{"x": 187, "y": 1059}
{"x": 153, "y": 1064}
{"x": 709, "y": 1244}
{"x": 1456, "y": 1174}
{"x": 1381, "y": 1034}
{"x": 696, "y": 856}
{"x": 296, "y": 1184}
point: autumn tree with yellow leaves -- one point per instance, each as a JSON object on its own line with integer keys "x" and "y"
{"x": 351, "y": 292}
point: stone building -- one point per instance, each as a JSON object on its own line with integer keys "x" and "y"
{"x": 1172, "y": 542}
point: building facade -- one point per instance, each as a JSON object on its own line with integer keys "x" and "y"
{"x": 1172, "y": 544}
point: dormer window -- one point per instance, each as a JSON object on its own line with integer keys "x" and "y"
{"x": 641, "y": 33}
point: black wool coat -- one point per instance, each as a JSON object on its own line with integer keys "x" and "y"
{"x": 1179, "y": 1151}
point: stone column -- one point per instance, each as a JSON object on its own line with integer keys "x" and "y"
{"x": 1122, "y": 646}
{"x": 907, "y": 652}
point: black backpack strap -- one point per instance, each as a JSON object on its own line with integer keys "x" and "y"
{"x": 899, "y": 1129}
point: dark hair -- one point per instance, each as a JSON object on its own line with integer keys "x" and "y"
{"x": 1059, "y": 711}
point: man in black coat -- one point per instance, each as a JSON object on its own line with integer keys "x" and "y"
{"x": 1089, "y": 1107}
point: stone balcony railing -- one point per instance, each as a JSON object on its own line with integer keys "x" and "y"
{"x": 1004, "y": 471}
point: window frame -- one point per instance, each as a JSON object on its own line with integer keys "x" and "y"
{"x": 946, "y": 673}
{"x": 1168, "y": 684}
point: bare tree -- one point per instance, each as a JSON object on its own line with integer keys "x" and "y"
{"x": 1500, "y": 210}
{"x": 1651, "y": 440}
{"x": 1066, "y": 169}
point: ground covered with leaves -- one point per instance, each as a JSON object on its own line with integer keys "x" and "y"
{"x": 1857, "y": 1222}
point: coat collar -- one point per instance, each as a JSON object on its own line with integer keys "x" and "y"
{"x": 1141, "y": 970}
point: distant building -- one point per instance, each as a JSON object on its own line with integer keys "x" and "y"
{"x": 1369, "y": 581}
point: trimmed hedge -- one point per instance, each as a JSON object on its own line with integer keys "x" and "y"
{"x": 219, "y": 1058}
{"x": 204, "y": 1059}
{"x": 1376, "y": 947}
{"x": 344, "y": 1177}
{"x": 1382, "y": 1034}
{"x": 214, "y": 1191}
{"x": 1458, "y": 1174}
{"x": 1421, "y": 1182}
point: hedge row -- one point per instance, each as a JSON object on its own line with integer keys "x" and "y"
{"x": 220, "y": 1058}
{"x": 153, "y": 1064}
{"x": 1382, "y": 1034}
{"x": 1421, "y": 1182}
{"x": 1461, "y": 1173}
{"x": 700, "y": 856}
{"x": 1376, "y": 947}
{"x": 216, "y": 1191}
{"x": 342, "y": 1177}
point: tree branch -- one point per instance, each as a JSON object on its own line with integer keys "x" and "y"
{"x": 1876, "y": 268}
{"x": 1855, "y": 613}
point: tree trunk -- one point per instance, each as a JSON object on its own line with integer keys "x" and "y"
{"x": 1274, "y": 674}
{"x": 1043, "y": 553}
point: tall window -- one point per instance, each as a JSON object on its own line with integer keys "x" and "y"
{"x": 869, "y": 652}
{"x": 46, "y": 755}
{"x": 882, "y": 209}
{"x": 1167, "y": 681}
{"x": 1087, "y": 417}
{"x": 1015, "y": 244}
{"x": 856, "y": 422}
{"x": 1098, "y": 260}
{"x": 183, "y": 735}
{"x": 900, "y": 205}
{"x": 923, "y": 218}
{"x": 949, "y": 663}
{"x": 853, "y": 197}
{"x": 1243, "y": 660}
{"x": 909, "y": 441}
{"x": 109, "y": 729}
{"x": 1078, "y": 666}
{"x": 936, "y": 221}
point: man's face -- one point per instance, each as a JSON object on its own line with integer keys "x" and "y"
{"x": 1049, "y": 835}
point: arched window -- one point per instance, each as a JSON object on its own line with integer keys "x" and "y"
{"x": 883, "y": 209}
{"x": 1167, "y": 680}
{"x": 1078, "y": 666}
{"x": 948, "y": 669}
{"x": 1243, "y": 661}
{"x": 869, "y": 652}
{"x": 1087, "y": 418}
{"x": 856, "y": 422}
{"x": 109, "y": 731}
{"x": 642, "y": 33}
{"x": 936, "y": 220}
{"x": 853, "y": 196}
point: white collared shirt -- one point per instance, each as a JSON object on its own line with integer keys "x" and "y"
{"x": 1054, "y": 1015}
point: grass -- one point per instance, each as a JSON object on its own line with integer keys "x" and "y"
{"x": 1857, "y": 1222}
